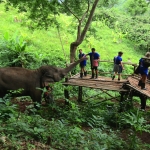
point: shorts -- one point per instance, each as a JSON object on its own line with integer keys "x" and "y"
{"x": 94, "y": 67}
{"x": 82, "y": 65}
{"x": 144, "y": 71}
{"x": 117, "y": 68}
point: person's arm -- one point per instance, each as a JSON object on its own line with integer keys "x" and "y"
{"x": 98, "y": 57}
{"x": 114, "y": 59}
{"x": 89, "y": 54}
{"x": 86, "y": 54}
{"x": 121, "y": 64}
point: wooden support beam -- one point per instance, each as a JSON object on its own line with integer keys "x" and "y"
{"x": 80, "y": 94}
{"x": 107, "y": 93}
{"x": 66, "y": 93}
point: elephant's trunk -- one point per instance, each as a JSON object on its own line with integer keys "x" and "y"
{"x": 70, "y": 67}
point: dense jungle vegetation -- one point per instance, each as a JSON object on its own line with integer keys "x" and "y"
{"x": 95, "y": 124}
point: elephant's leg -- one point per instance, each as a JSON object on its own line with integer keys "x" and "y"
{"x": 36, "y": 96}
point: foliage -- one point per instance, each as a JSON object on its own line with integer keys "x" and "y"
{"x": 53, "y": 131}
{"x": 13, "y": 52}
{"x": 136, "y": 28}
{"x": 34, "y": 11}
{"x": 137, "y": 7}
{"x": 138, "y": 124}
{"x": 7, "y": 109}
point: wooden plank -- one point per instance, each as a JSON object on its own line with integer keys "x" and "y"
{"x": 140, "y": 91}
{"x": 96, "y": 83}
{"x": 112, "y": 88}
{"x": 134, "y": 84}
{"x": 100, "y": 79}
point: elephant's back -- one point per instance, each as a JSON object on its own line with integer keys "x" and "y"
{"x": 14, "y": 71}
{"x": 15, "y": 76}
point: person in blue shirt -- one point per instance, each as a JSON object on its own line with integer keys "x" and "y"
{"x": 118, "y": 66}
{"x": 94, "y": 60}
{"x": 143, "y": 68}
{"x": 82, "y": 64}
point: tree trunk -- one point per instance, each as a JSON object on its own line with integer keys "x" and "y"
{"x": 73, "y": 48}
{"x": 80, "y": 37}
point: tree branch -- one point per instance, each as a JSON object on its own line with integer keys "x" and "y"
{"x": 88, "y": 21}
{"x": 80, "y": 21}
{"x": 69, "y": 9}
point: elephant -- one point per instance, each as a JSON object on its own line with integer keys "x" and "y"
{"x": 14, "y": 78}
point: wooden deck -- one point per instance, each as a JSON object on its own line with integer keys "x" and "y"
{"x": 133, "y": 80}
{"x": 106, "y": 83}
{"x": 103, "y": 83}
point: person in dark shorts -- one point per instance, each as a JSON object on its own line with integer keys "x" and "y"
{"x": 143, "y": 71}
{"x": 118, "y": 66}
{"x": 94, "y": 60}
{"x": 82, "y": 64}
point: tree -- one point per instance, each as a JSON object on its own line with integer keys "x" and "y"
{"x": 43, "y": 13}
{"x": 81, "y": 34}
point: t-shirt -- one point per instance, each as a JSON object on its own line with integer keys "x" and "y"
{"x": 117, "y": 60}
{"x": 143, "y": 69}
{"x": 93, "y": 56}
{"x": 84, "y": 61}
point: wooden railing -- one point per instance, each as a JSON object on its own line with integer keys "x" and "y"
{"x": 126, "y": 63}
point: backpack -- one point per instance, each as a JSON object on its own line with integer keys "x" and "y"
{"x": 137, "y": 70}
{"x": 146, "y": 62}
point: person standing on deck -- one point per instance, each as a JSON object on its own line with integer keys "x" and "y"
{"x": 94, "y": 60}
{"x": 143, "y": 71}
{"x": 82, "y": 64}
{"x": 118, "y": 66}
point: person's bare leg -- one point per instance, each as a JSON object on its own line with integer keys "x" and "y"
{"x": 96, "y": 72}
{"x": 144, "y": 77}
{"x": 81, "y": 72}
{"x": 119, "y": 76}
{"x": 113, "y": 77}
{"x": 92, "y": 74}
{"x": 84, "y": 71}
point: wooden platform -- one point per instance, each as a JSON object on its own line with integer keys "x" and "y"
{"x": 103, "y": 83}
{"x": 133, "y": 80}
{"x": 106, "y": 83}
